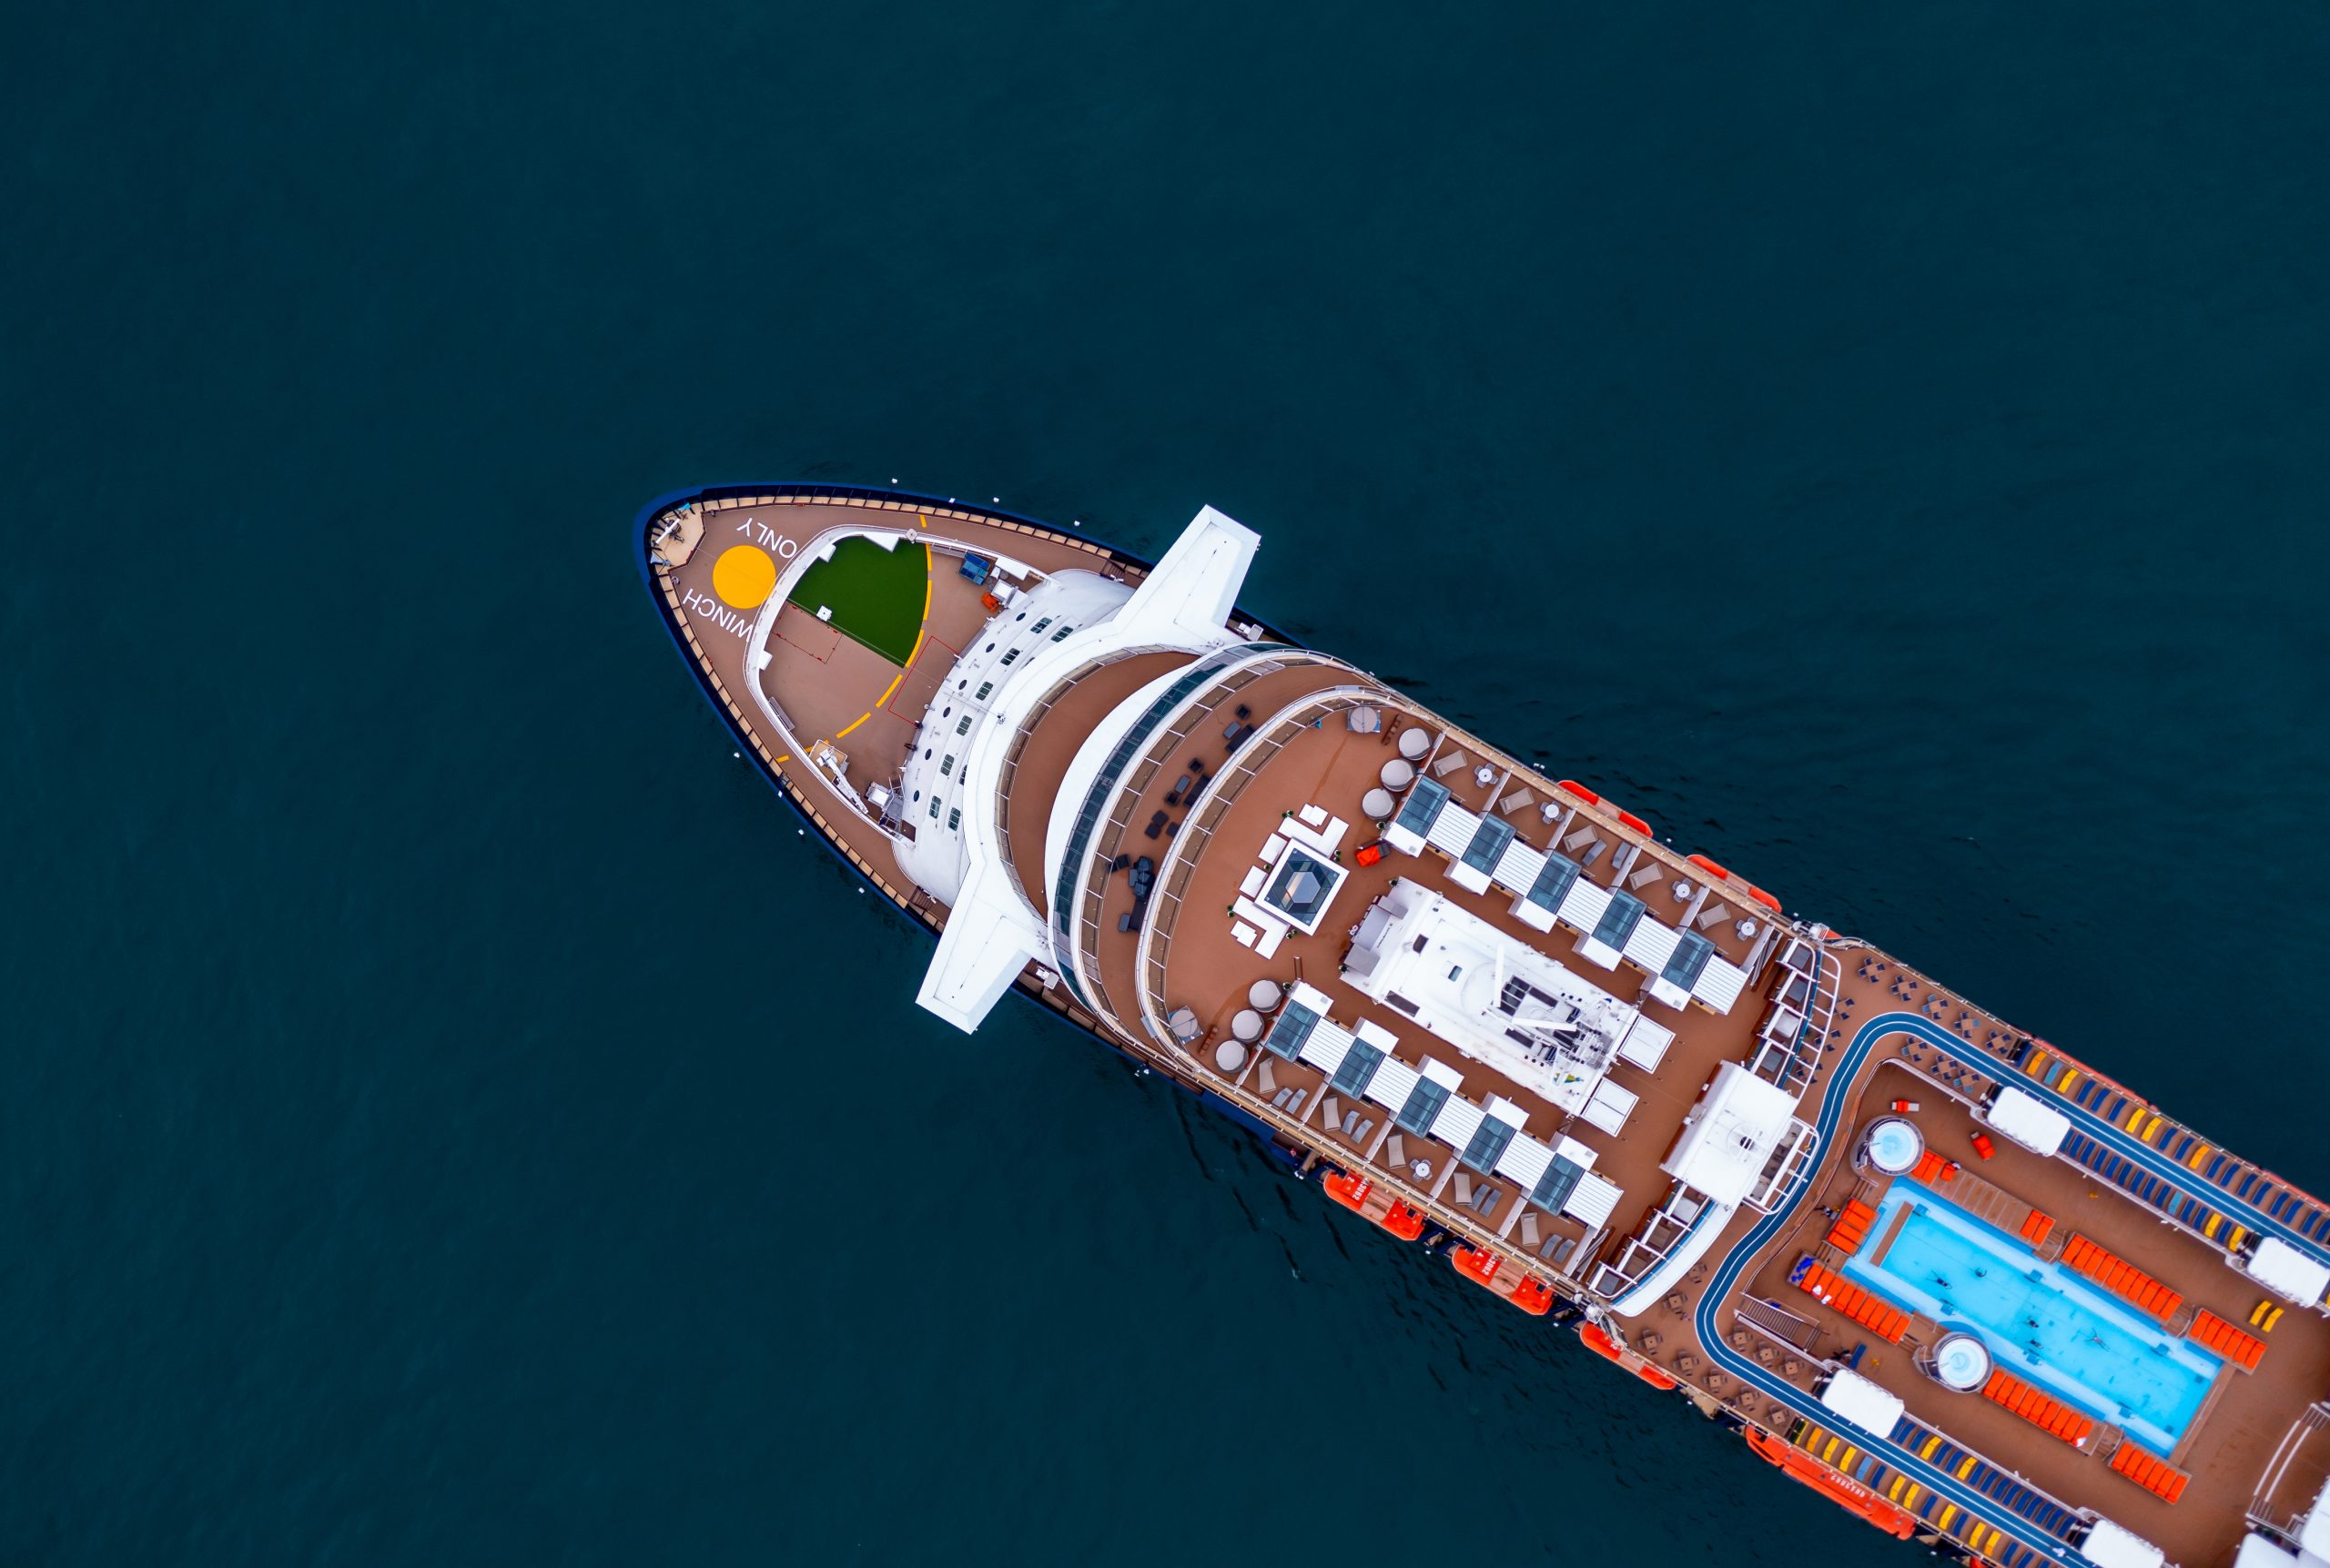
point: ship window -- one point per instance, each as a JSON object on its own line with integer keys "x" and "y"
{"x": 1013, "y": 654}
{"x": 1487, "y": 1144}
{"x": 1062, "y": 633}
{"x": 934, "y": 808}
{"x": 1038, "y": 629}
{"x": 964, "y": 728}
{"x": 984, "y": 687}
{"x": 947, "y": 766}
{"x": 1424, "y": 1105}
{"x": 954, "y": 819}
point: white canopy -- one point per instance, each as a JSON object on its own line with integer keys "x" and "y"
{"x": 2284, "y": 1270}
{"x": 2110, "y": 1546}
{"x": 1862, "y": 1403}
{"x": 2257, "y": 1552}
{"x": 1738, "y": 1122}
{"x": 2314, "y": 1536}
{"x": 2028, "y": 1120}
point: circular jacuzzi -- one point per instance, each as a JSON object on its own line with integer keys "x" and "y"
{"x": 1894, "y": 1146}
{"x": 1961, "y": 1361}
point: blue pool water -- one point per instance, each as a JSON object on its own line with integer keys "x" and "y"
{"x": 2042, "y": 1322}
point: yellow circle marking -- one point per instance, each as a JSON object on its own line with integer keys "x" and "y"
{"x": 744, "y": 576}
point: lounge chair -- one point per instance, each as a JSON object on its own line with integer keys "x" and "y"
{"x": 1713, "y": 915}
{"x": 1267, "y": 1079}
{"x": 1644, "y": 877}
{"x": 1396, "y": 1149}
{"x": 1463, "y": 1189}
{"x": 1333, "y": 1109}
{"x": 1519, "y": 800}
{"x": 1489, "y": 1199}
{"x": 1447, "y": 765}
{"x": 1529, "y": 1229}
{"x": 1578, "y": 840}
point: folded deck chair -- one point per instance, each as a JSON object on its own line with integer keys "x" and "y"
{"x": 1529, "y": 1231}
{"x": 1489, "y": 1197}
{"x": 1350, "y": 1121}
{"x": 1463, "y": 1189}
{"x": 1294, "y": 1105}
{"x": 1553, "y": 1245}
{"x": 1568, "y": 1245}
{"x": 1267, "y": 1079}
{"x": 1334, "y": 1109}
{"x": 1395, "y": 1149}
{"x": 1594, "y": 852}
{"x": 1366, "y": 1130}
{"x": 1282, "y": 1096}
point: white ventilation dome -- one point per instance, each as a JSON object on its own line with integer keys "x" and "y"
{"x": 2257, "y": 1552}
{"x": 2028, "y": 1120}
{"x": 1856, "y": 1399}
{"x": 2283, "y": 1269}
{"x": 2109, "y": 1546}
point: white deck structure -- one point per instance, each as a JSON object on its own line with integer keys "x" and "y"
{"x": 992, "y": 931}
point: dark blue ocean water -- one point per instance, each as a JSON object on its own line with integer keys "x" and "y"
{"x": 449, "y": 1115}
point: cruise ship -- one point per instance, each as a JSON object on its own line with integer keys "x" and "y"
{"x": 1948, "y": 1275}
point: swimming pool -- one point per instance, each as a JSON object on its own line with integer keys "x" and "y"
{"x": 2041, "y": 1322}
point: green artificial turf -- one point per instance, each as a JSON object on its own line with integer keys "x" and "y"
{"x": 876, "y": 595}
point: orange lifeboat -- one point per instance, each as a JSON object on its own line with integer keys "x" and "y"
{"x": 1348, "y": 1190}
{"x": 1478, "y": 1267}
{"x": 1709, "y": 866}
{"x": 1533, "y": 1296}
{"x": 1764, "y": 898}
{"x": 1404, "y": 1220}
{"x": 1841, "y": 1490}
{"x": 1579, "y": 790}
{"x": 1603, "y": 1345}
{"x": 1631, "y": 820}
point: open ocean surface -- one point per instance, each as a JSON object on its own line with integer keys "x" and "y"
{"x": 452, "y": 1117}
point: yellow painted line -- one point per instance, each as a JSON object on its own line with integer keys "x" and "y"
{"x": 782, "y": 759}
{"x": 856, "y": 721}
{"x": 925, "y": 517}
